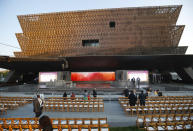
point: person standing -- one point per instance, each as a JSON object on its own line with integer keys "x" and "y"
{"x": 133, "y": 81}
{"x": 142, "y": 98}
{"x": 132, "y": 99}
{"x": 159, "y": 93}
{"x": 72, "y": 96}
{"x": 126, "y": 92}
{"x": 85, "y": 95}
{"x": 138, "y": 82}
{"x": 37, "y": 106}
{"x": 88, "y": 96}
{"x": 65, "y": 95}
{"x": 94, "y": 93}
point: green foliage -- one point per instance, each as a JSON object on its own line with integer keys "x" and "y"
{"x": 125, "y": 129}
{"x": 4, "y": 73}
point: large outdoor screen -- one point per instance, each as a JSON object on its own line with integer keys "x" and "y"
{"x": 143, "y": 75}
{"x": 93, "y": 76}
{"x": 47, "y": 76}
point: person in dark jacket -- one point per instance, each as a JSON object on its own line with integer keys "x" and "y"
{"x": 45, "y": 123}
{"x": 94, "y": 93}
{"x": 159, "y": 93}
{"x": 126, "y": 92}
{"x": 65, "y": 95}
{"x": 37, "y": 106}
{"x": 142, "y": 98}
{"x": 132, "y": 99}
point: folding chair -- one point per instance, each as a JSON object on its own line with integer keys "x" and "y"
{"x": 87, "y": 121}
{"x": 74, "y": 127}
{"x": 140, "y": 121}
{"x": 94, "y": 121}
{"x": 170, "y": 126}
{"x": 94, "y": 127}
{"x": 84, "y": 128}
{"x": 79, "y": 121}
{"x": 65, "y": 128}
{"x": 161, "y": 126}
{"x": 104, "y": 127}
{"x": 151, "y": 127}
{"x": 180, "y": 125}
{"x": 188, "y": 125}
{"x": 155, "y": 118}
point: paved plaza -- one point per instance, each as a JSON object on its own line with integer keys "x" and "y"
{"x": 112, "y": 109}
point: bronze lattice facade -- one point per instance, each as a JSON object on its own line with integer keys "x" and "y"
{"x": 120, "y": 31}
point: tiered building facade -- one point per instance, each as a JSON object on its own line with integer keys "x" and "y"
{"x": 109, "y": 32}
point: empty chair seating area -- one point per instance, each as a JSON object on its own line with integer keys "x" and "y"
{"x": 165, "y": 122}
{"x": 76, "y": 98}
{"x": 59, "y": 124}
{"x": 159, "y": 105}
{"x": 12, "y": 102}
{"x": 75, "y": 105}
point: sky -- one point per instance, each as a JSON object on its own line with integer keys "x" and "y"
{"x": 9, "y": 9}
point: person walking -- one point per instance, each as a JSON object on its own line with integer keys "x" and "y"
{"x": 37, "y": 106}
{"x": 142, "y": 98}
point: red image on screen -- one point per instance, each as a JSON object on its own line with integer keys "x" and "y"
{"x": 93, "y": 76}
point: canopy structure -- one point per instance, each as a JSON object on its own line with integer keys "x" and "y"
{"x": 182, "y": 64}
{"x": 98, "y": 63}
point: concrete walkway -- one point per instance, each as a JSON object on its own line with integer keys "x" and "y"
{"x": 112, "y": 109}
{"x": 114, "y": 113}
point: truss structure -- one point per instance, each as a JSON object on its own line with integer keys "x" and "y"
{"x": 134, "y": 31}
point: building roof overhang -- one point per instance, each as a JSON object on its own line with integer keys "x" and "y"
{"x": 97, "y": 63}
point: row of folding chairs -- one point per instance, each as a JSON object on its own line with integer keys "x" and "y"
{"x": 9, "y": 105}
{"x": 123, "y": 105}
{"x": 57, "y": 123}
{"x": 169, "y": 126}
{"x": 76, "y": 98}
{"x": 160, "y": 101}
{"x": 16, "y": 98}
{"x": 163, "y": 98}
{"x": 143, "y": 120}
{"x": 13, "y": 102}
{"x": 20, "y": 103}
{"x": 74, "y": 107}
{"x": 136, "y": 110}
{"x": 104, "y": 127}
{"x": 186, "y": 100}
{"x": 73, "y": 101}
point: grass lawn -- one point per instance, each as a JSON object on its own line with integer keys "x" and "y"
{"x": 125, "y": 129}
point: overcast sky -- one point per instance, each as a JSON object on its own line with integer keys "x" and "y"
{"x": 9, "y": 9}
